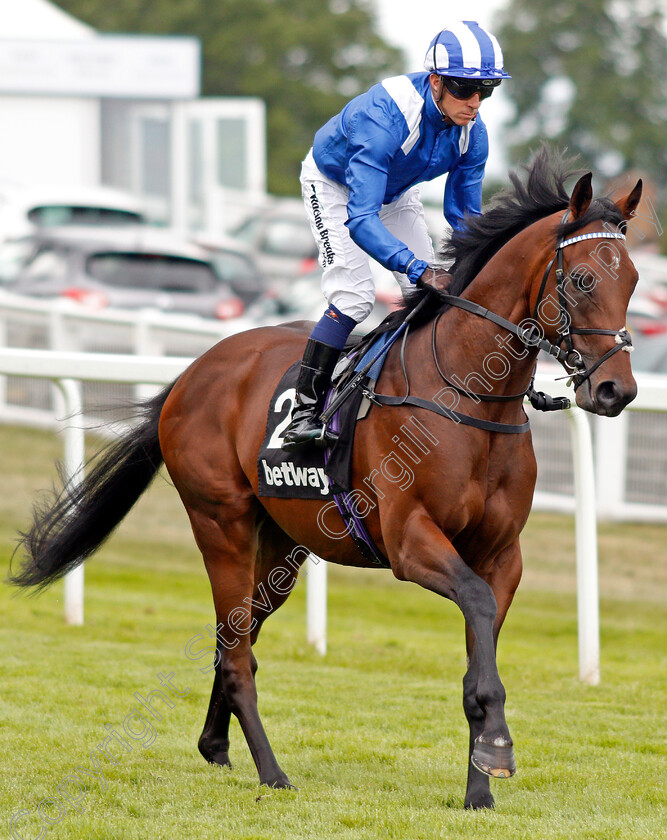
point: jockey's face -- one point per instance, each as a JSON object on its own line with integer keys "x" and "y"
{"x": 459, "y": 111}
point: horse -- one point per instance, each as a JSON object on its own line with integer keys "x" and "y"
{"x": 540, "y": 268}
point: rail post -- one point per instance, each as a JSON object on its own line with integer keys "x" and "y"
{"x": 588, "y": 605}
{"x": 316, "y": 604}
{"x": 74, "y": 454}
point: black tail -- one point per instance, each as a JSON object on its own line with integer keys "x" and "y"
{"x": 69, "y": 526}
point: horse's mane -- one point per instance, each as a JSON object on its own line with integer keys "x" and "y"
{"x": 536, "y": 190}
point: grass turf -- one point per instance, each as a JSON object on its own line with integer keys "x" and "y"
{"x": 373, "y": 734}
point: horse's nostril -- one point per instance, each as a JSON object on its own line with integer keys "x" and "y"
{"x": 607, "y": 393}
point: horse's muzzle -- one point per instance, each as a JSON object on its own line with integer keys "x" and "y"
{"x": 608, "y": 398}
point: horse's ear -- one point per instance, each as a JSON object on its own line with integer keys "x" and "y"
{"x": 628, "y": 205}
{"x": 581, "y": 196}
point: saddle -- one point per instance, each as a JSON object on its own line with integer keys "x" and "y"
{"x": 323, "y": 474}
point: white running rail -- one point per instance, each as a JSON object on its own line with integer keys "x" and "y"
{"x": 67, "y": 369}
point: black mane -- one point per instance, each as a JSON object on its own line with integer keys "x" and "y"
{"x": 536, "y": 190}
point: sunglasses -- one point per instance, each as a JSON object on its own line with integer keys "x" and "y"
{"x": 465, "y": 89}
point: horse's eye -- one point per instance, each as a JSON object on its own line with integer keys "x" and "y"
{"x": 583, "y": 281}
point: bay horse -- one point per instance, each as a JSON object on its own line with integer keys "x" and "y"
{"x": 525, "y": 278}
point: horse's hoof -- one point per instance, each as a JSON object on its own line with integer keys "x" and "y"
{"x": 280, "y": 783}
{"x": 495, "y": 759}
{"x": 477, "y": 803}
{"x": 215, "y": 756}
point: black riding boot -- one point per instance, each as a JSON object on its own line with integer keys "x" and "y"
{"x": 319, "y": 361}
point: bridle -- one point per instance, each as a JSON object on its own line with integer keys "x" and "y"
{"x": 573, "y": 360}
{"x": 531, "y": 336}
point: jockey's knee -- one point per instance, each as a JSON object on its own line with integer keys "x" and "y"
{"x": 354, "y": 304}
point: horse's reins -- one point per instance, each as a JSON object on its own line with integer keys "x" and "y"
{"x": 529, "y": 336}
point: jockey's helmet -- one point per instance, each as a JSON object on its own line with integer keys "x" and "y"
{"x": 465, "y": 50}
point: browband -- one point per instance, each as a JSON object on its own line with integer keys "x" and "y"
{"x": 599, "y": 235}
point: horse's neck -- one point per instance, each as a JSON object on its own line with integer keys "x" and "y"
{"x": 475, "y": 347}
{"x": 504, "y": 284}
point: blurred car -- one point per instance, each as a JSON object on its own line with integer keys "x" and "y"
{"x": 280, "y": 238}
{"x": 236, "y": 265}
{"x": 652, "y": 270}
{"x": 650, "y": 356}
{"x": 25, "y": 210}
{"x": 647, "y": 323}
{"x": 129, "y": 268}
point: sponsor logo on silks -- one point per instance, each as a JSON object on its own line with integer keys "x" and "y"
{"x": 327, "y": 250}
{"x": 331, "y": 314}
{"x": 293, "y": 476}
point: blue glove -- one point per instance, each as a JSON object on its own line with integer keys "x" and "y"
{"x": 415, "y": 269}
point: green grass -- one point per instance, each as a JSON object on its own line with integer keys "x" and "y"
{"x": 373, "y": 734}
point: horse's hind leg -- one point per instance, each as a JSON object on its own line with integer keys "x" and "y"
{"x": 277, "y": 566}
{"x": 243, "y": 599}
{"x": 214, "y": 739}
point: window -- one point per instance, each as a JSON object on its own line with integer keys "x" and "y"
{"x": 232, "y": 153}
{"x": 54, "y": 215}
{"x": 152, "y": 271}
{"x": 248, "y": 230}
{"x": 196, "y": 161}
{"x": 155, "y": 152}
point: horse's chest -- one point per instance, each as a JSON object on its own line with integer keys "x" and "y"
{"x": 499, "y": 500}
{"x": 507, "y": 468}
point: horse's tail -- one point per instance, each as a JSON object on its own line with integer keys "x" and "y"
{"x": 69, "y": 526}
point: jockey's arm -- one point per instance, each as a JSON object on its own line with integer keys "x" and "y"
{"x": 373, "y": 147}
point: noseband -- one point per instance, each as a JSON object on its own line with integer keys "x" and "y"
{"x": 571, "y": 357}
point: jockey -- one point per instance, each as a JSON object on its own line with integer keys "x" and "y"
{"x": 358, "y": 184}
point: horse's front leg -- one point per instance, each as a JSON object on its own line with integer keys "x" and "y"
{"x": 426, "y": 557}
{"x": 503, "y": 578}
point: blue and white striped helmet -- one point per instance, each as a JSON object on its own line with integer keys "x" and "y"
{"x": 465, "y": 50}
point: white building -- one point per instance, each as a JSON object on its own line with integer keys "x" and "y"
{"x": 79, "y": 108}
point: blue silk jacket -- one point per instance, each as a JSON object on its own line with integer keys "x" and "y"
{"x": 386, "y": 141}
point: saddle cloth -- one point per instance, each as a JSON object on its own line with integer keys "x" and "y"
{"x": 303, "y": 474}
{"x": 307, "y": 474}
